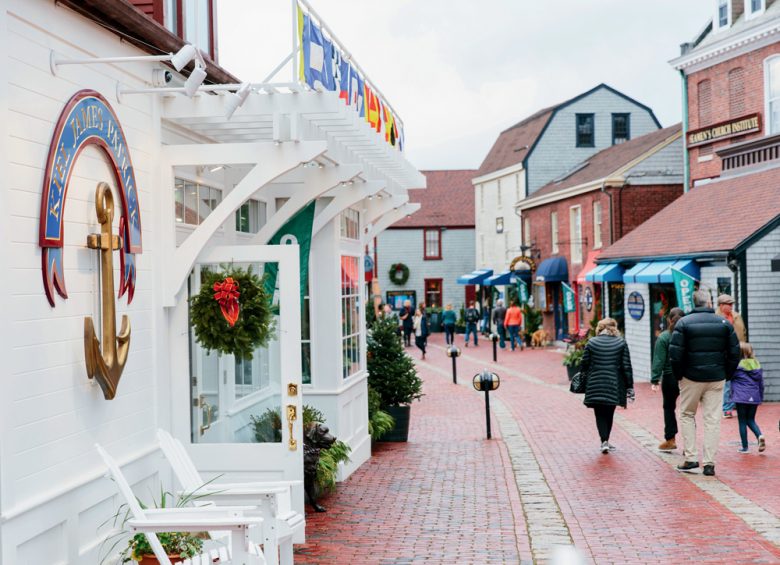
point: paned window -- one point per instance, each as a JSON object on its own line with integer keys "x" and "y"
{"x": 596, "y": 225}
{"x": 772, "y": 70}
{"x": 306, "y": 340}
{"x": 433, "y": 293}
{"x": 585, "y": 134}
{"x": 499, "y": 225}
{"x": 575, "y": 233}
{"x": 554, "y": 231}
{"x": 736, "y": 92}
{"x": 621, "y": 128}
{"x": 432, "y": 242}
{"x": 350, "y": 315}
{"x": 705, "y": 102}
{"x": 194, "y": 201}
{"x": 756, "y": 6}
{"x": 250, "y": 216}
{"x": 350, "y": 224}
{"x": 723, "y": 13}
{"x": 197, "y": 24}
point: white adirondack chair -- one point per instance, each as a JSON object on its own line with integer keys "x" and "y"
{"x": 233, "y": 520}
{"x": 274, "y": 500}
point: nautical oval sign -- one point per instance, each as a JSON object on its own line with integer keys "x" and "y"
{"x": 87, "y": 119}
{"x": 636, "y": 305}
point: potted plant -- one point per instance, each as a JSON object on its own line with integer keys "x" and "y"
{"x": 392, "y": 374}
{"x": 533, "y": 321}
{"x": 460, "y": 323}
{"x": 572, "y": 359}
{"x": 379, "y": 421}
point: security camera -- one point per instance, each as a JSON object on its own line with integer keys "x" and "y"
{"x": 161, "y": 77}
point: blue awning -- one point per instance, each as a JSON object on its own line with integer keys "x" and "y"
{"x": 553, "y": 269}
{"x": 475, "y": 277}
{"x": 606, "y": 272}
{"x": 654, "y": 272}
{"x": 507, "y": 277}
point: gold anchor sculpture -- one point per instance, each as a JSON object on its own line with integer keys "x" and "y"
{"x": 106, "y": 364}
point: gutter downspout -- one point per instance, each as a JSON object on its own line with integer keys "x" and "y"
{"x": 686, "y": 162}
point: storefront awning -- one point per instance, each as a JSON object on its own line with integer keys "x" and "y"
{"x": 475, "y": 277}
{"x": 654, "y": 272}
{"x": 590, "y": 263}
{"x": 553, "y": 269}
{"x": 608, "y": 272}
{"x": 508, "y": 277}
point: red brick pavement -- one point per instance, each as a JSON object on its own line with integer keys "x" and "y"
{"x": 630, "y": 506}
{"x": 417, "y": 502}
{"x": 446, "y": 496}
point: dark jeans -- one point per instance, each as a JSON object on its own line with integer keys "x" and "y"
{"x": 408, "y": 335}
{"x": 604, "y": 416}
{"x": 670, "y": 390}
{"x": 514, "y": 336}
{"x": 501, "y": 335}
{"x": 746, "y": 414}
{"x": 421, "y": 342}
{"x": 471, "y": 327}
{"x": 449, "y": 333}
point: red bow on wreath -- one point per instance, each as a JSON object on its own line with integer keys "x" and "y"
{"x": 226, "y": 293}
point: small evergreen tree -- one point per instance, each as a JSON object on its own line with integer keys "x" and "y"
{"x": 391, "y": 371}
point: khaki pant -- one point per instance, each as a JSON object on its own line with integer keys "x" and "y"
{"x": 710, "y": 395}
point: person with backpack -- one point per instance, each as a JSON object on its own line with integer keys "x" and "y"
{"x": 472, "y": 317}
{"x": 747, "y": 392}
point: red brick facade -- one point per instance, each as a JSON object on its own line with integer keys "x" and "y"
{"x": 631, "y": 206}
{"x": 732, "y": 93}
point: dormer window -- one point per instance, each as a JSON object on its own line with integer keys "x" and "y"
{"x": 755, "y": 8}
{"x": 724, "y": 14}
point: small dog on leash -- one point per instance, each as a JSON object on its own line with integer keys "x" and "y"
{"x": 539, "y": 338}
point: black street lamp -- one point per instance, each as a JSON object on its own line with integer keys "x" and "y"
{"x": 454, "y": 353}
{"x": 485, "y": 382}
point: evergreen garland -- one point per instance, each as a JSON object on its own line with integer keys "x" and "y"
{"x": 255, "y": 320}
{"x": 399, "y": 274}
{"x": 391, "y": 371}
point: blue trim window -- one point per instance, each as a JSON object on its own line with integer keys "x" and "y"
{"x": 585, "y": 133}
{"x": 621, "y": 128}
{"x": 723, "y": 13}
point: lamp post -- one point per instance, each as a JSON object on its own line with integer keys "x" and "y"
{"x": 485, "y": 382}
{"x": 453, "y": 352}
{"x": 494, "y": 339}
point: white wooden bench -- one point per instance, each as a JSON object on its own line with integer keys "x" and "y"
{"x": 274, "y": 500}
{"x": 217, "y": 519}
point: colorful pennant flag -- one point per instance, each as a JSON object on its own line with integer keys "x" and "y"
{"x": 317, "y": 56}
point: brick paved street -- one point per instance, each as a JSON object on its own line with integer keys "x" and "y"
{"x": 427, "y": 500}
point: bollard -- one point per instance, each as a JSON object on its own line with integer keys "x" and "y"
{"x": 454, "y": 353}
{"x": 494, "y": 339}
{"x": 485, "y": 382}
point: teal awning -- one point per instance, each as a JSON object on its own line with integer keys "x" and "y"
{"x": 654, "y": 272}
{"x": 475, "y": 277}
{"x": 606, "y": 272}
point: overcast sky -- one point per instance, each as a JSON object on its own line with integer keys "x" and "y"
{"x": 460, "y": 71}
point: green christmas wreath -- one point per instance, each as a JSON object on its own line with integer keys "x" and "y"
{"x": 399, "y": 274}
{"x": 231, "y": 313}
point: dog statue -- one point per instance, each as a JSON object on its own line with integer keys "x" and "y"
{"x": 316, "y": 437}
{"x": 539, "y": 338}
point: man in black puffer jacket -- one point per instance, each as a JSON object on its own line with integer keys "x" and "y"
{"x": 704, "y": 353}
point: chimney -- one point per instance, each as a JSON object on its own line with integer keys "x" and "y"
{"x": 737, "y": 9}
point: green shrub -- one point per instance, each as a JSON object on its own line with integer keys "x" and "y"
{"x": 391, "y": 371}
{"x": 379, "y": 421}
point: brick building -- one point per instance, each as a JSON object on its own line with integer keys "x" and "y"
{"x": 436, "y": 243}
{"x": 570, "y": 220}
{"x": 726, "y": 230}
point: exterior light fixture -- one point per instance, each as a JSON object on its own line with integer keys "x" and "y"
{"x": 196, "y": 78}
{"x": 179, "y": 60}
{"x": 236, "y": 99}
{"x": 217, "y": 168}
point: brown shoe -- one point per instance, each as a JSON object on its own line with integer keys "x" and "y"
{"x": 668, "y": 445}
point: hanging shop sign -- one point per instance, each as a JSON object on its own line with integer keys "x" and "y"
{"x": 636, "y": 306}
{"x": 522, "y": 259}
{"x": 87, "y": 119}
{"x": 725, "y": 130}
{"x": 569, "y": 303}
{"x": 588, "y": 298}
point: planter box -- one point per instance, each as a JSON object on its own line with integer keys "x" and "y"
{"x": 401, "y": 430}
{"x": 572, "y": 370}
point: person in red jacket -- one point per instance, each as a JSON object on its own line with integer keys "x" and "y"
{"x": 512, "y": 322}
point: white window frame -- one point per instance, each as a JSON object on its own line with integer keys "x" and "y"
{"x": 749, "y": 14}
{"x": 768, "y": 130}
{"x": 575, "y": 234}
{"x": 554, "y": 232}
{"x": 198, "y": 183}
{"x": 259, "y": 219}
{"x": 353, "y": 335}
{"x": 597, "y": 219}
{"x": 716, "y": 20}
{"x": 349, "y": 224}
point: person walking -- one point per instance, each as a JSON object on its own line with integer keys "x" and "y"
{"x": 472, "y": 317}
{"x": 499, "y": 313}
{"x": 407, "y": 322}
{"x": 420, "y": 325}
{"x": 512, "y": 321}
{"x": 747, "y": 392}
{"x": 448, "y": 319}
{"x": 485, "y": 323}
{"x": 726, "y": 310}
{"x": 609, "y": 378}
{"x": 704, "y": 352}
{"x": 662, "y": 373}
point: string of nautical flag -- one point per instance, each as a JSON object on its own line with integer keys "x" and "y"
{"x": 323, "y": 66}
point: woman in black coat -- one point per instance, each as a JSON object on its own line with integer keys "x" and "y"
{"x": 609, "y": 380}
